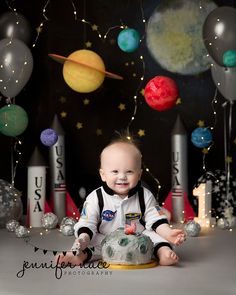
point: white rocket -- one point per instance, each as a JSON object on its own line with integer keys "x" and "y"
{"x": 36, "y": 189}
{"x": 57, "y": 168}
{"x": 179, "y": 170}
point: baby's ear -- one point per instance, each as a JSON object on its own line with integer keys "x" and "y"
{"x": 101, "y": 172}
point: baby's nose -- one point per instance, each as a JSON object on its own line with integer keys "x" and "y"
{"x": 122, "y": 176}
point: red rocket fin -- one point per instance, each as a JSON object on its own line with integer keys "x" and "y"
{"x": 47, "y": 208}
{"x": 71, "y": 208}
{"x": 189, "y": 214}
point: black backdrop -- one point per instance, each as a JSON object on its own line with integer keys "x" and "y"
{"x": 46, "y": 94}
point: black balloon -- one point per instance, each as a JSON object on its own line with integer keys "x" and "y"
{"x": 225, "y": 80}
{"x": 16, "y": 63}
{"x": 219, "y": 32}
{"x": 15, "y": 26}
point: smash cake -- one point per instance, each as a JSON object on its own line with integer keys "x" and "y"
{"x": 121, "y": 250}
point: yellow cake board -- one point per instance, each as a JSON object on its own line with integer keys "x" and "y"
{"x": 133, "y": 266}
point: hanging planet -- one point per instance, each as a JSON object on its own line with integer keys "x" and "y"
{"x": 174, "y": 35}
{"x": 84, "y": 70}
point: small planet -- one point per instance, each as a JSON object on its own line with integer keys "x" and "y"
{"x": 174, "y": 35}
{"x": 201, "y": 137}
{"x": 48, "y": 137}
{"x": 128, "y": 40}
{"x": 84, "y": 70}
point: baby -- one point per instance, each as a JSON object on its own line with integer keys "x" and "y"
{"x": 120, "y": 171}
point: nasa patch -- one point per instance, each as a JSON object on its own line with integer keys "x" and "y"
{"x": 159, "y": 210}
{"x": 108, "y": 215}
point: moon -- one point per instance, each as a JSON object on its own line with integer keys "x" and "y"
{"x": 174, "y": 36}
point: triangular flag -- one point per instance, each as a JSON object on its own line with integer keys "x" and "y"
{"x": 74, "y": 252}
{"x": 54, "y": 253}
{"x": 64, "y": 253}
{"x": 45, "y": 251}
{"x": 35, "y": 249}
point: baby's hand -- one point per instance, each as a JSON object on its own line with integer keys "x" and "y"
{"x": 80, "y": 244}
{"x": 176, "y": 236}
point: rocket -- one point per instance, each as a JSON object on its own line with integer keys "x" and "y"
{"x": 177, "y": 201}
{"x": 36, "y": 188}
{"x": 57, "y": 168}
{"x": 178, "y": 169}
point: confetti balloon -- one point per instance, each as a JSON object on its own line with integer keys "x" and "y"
{"x": 222, "y": 223}
{"x": 12, "y": 224}
{"x": 48, "y": 137}
{"x": 10, "y": 203}
{"x": 13, "y": 120}
{"x": 192, "y": 228}
{"x": 201, "y": 137}
{"x": 161, "y": 93}
{"x": 49, "y": 220}
{"x": 128, "y": 40}
{"x": 21, "y": 231}
{"x": 68, "y": 221}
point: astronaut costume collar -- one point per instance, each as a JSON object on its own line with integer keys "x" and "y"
{"x": 132, "y": 192}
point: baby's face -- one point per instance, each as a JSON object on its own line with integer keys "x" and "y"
{"x": 121, "y": 167}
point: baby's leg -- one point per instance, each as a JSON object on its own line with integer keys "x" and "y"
{"x": 166, "y": 256}
{"x": 162, "y": 249}
{"x": 71, "y": 259}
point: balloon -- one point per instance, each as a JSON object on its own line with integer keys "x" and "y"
{"x": 10, "y": 203}
{"x": 201, "y": 137}
{"x": 219, "y": 32}
{"x": 13, "y": 120}
{"x": 128, "y": 40}
{"x": 14, "y": 25}
{"x": 225, "y": 79}
{"x": 161, "y": 93}
{"x": 16, "y": 66}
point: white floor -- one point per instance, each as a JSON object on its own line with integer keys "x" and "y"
{"x": 208, "y": 266}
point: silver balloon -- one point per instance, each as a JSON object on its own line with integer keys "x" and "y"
{"x": 22, "y": 232}
{"x": 16, "y": 66}
{"x": 49, "y": 220}
{"x": 68, "y": 221}
{"x": 15, "y": 26}
{"x": 219, "y": 32}
{"x": 10, "y": 203}
{"x": 224, "y": 79}
{"x": 192, "y": 228}
{"x": 67, "y": 229}
{"x": 12, "y": 224}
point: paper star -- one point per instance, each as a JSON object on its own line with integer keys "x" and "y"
{"x": 201, "y": 123}
{"x": 126, "y": 64}
{"x": 94, "y": 27}
{"x": 79, "y": 125}
{"x": 39, "y": 29}
{"x": 205, "y": 151}
{"x": 62, "y": 99}
{"x": 142, "y": 92}
{"x": 141, "y": 132}
{"x": 99, "y": 132}
{"x": 63, "y": 114}
{"x": 86, "y": 101}
{"x": 121, "y": 107}
{"x": 88, "y": 44}
{"x": 229, "y": 159}
{"x": 178, "y": 101}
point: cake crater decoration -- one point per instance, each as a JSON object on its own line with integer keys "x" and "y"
{"x": 119, "y": 248}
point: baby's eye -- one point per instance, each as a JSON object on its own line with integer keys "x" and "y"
{"x": 129, "y": 172}
{"x": 114, "y": 171}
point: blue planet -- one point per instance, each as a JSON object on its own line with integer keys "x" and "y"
{"x": 128, "y": 40}
{"x": 201, "y": 137}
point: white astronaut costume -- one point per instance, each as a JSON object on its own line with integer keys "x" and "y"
{"x": 115, "y": 213}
